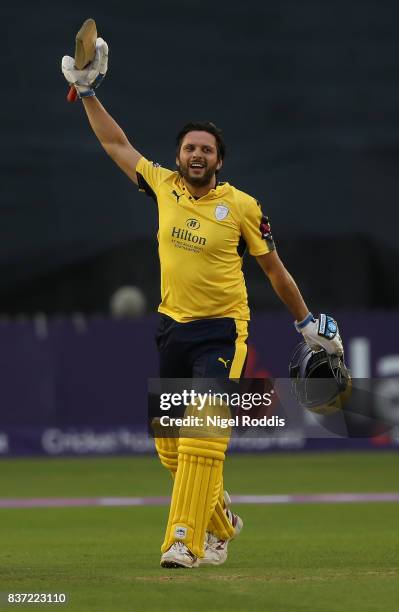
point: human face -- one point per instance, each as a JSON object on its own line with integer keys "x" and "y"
{"x": 198, "y": 159}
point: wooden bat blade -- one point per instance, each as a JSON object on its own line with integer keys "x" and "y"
{"x": 85, "y": 48}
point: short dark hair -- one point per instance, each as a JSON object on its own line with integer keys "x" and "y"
{"x": 203, "y": 126}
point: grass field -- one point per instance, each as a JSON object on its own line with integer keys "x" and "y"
{"x": 289, "y": 558}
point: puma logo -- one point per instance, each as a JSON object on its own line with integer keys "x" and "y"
{"x": 224, "y": 361}
{"x": 177, "y": 195}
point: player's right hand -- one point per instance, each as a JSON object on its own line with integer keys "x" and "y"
{"x": 87, "y": 80}
{"x": 321, "y": 333}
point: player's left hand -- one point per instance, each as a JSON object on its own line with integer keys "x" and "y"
{"x": 321, "y": 333}
{"x": 88, "y": 79}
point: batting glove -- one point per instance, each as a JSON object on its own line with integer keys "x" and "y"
{"x": 88, "y": 79}
{"x": 321, "y": 333}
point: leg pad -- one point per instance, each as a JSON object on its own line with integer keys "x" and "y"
{"x": 196, "y": 491}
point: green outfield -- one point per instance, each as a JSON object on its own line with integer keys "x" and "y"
{"x": 289, "y": 558}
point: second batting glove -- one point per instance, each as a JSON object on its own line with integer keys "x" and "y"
{"x": 321, "y": 333}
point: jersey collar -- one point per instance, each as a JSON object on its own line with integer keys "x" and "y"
{"x": 213, "y": 194}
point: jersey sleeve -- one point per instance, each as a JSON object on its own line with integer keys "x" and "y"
{"x": 150, "y": 175}
{"x": 255, "y": 229}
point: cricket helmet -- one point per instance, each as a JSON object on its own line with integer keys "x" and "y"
{"x": 320, "y": 382}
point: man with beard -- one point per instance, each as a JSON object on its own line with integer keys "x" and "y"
{"x": 205, "y": 226}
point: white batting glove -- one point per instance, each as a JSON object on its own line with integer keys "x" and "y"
{"x": 321, "y": 333}
{"x": 87, "y": 80}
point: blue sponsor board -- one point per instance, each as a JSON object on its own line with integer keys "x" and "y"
{"x": 74, "y": 441}
{"x": 79, "y": 387}
{"x": 79, "y": 441}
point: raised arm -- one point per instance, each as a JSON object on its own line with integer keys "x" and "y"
{"x": 112, "y": 137}
{"x": 108, "y": 132}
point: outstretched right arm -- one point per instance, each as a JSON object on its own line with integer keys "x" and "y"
{"x": 108, "y": 132}
{"x": 112, "y": 137}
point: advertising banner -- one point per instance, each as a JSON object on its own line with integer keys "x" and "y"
{"x": 79, "y": 387}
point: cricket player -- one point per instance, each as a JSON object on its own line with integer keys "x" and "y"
{"x": 205, "y": 226}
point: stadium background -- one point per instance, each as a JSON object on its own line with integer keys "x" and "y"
{"x": 307, "y": 95}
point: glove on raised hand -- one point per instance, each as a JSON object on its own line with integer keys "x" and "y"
{"x": 321, "y": 333}
{"x": 87, "y": 80}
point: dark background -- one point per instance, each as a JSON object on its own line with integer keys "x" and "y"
{"x": 307, "y": 94}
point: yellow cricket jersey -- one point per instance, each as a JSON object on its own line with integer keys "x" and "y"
{"x": 201, "y": 245}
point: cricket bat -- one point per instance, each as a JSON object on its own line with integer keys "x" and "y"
{"x": 85, "y": 50}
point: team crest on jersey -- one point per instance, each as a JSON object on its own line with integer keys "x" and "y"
{"x": 221, "y": 212}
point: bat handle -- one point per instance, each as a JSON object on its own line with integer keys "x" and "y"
{"x": 72, "y": 94}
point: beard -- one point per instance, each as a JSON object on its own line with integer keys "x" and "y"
{"x": 197, "y": 181}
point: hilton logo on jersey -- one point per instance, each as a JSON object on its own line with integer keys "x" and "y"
{"x": 184, "y": 239}
{"x": 179, "y": 233}
{"x": 193, "y": 224}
